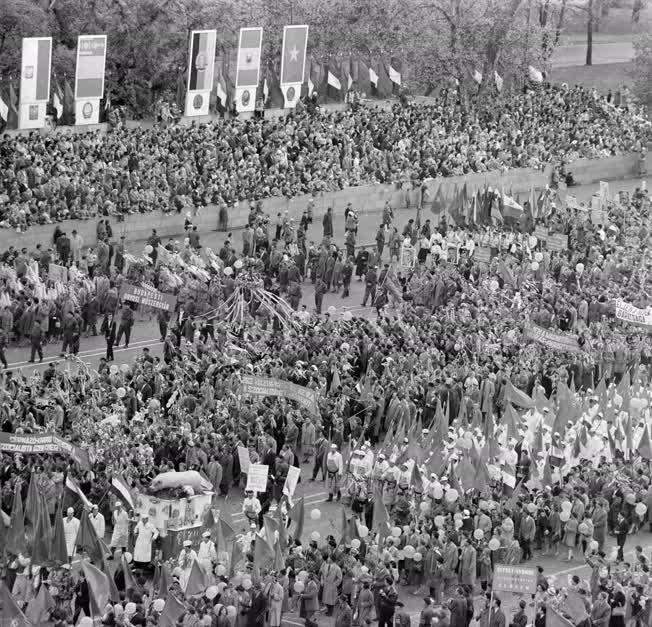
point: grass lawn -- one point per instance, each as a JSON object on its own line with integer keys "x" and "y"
{"x": 617, "y": 26}
{"x": 603, "y": 77}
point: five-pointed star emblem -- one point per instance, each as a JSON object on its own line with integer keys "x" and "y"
{"x": 294, "y": 54}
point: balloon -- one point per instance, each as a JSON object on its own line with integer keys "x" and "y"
{"x": 467, "y": 444}
{"x": 114, "y": 369}
{"x": 315, "y": 536}
{"x": 230, "y": 610}
{"x": 564, "y": 516}
{"x": 347, "y": 315}
{"x": 85, "y": 622}
{"x": 355, "y": 544}
{"x": 538, "y": 257}
{"x": 299, "y": 586}
{"x": 534, "y": 265}
{"x": 158, "y": 605}
{"x": 221, "y": 586}
{"x": 437, "y": 491}
{"x": 566, "y": 506}
{"x": 417, "y": 557}
{"x": 458, "y": 524}
{"x": 220, "y": 570}
{"x": 409, "y": 551}
{"x": 594, "y": 545}
{"x": 211, "y": 592}
{"x": 303, "y": 575}
{"x": 494, "y": 544}
{"x": 531, "y": 507}
{"x": 424, "y": 507}
{"x": 457, "y": 516}
{"x": 246, "y": 584}
{"x": 451, "y": 495}
{"x": 315, "y": 514}
{"x": 532, "y": 241}
{"x": 228, "y": 271}
{"x": 493, "y": 285}
{"x": 630, "y": 498}
{"x": 331, "y": 310}
{"x": 618, "y": 400}
{"x": 149, "y": 249}
{"x": 155, "y": 404}
{"x": 641, "y": 508}
{"x": 508, "y": 524}
{"x": 363, "y": 531}
{"x": 128, "y": 557}
{"x": 478, "y": 534}
{"x": 364, "y": 569}
{"x": 440, "y": 521}
{"x": 238, "y": 264}
{"x": 345, "y": 346}
{"x": 579, "y": 268}
{"x": 121, "y": 392}
{"x": 396, "y": 532}
{"x": 583, "y": 528}
{"x": 124, "y": 368}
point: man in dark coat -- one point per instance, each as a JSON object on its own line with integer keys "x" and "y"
{"x": 457, "y": 607}
{"x": 256, "y": 613}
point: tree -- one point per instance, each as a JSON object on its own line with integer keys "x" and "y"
{"x": 642, "y": 69}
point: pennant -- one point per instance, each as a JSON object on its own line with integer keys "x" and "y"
{"x": 4, "y": 109}
{"x": 477, "y": 76}
{"x": 42, "y": 534}
{"x": 381, "y": 520}
{"x": 172, "y": 612}
{"x": 511, "y": 420}
{"x": 361, "y": 77}
{"x": 516, "y": 396}
{"x": 10, "y": 613}
{"x": 417, "y": 479}
{"x": 130, "y": 580}
{"x": 546, "y": 479}
{"x": 73, "y": 486}
{"x": 114, "y": 593}
{"x": 98, "y": 588}
{"x": 39, "y": 608}
{"x": 645, "y": 446}
{"x": 196, "y": 583}
{"x": 32, "y": 501}
{"x": 162, "y": 586}
{"x": 394, "y": 72}
{"x": 16, "y": 542}
{"x": 333, "y": 81}
{"x": 499, "y": 81}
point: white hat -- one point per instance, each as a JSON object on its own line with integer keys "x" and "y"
{"x": 334, "y": 447}
{"x": 206, "y": 534}
{"x": 118, "y": 503}
{"x": 70, "y": 510}
{"x": 187, "y": 543}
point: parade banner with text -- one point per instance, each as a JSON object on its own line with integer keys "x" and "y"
{"x": 629, "y": 313}
{"x": 34, "y": 81}
{"x": 89, "y": 79}
{"x": 147, "y": 297}
{"x": 201, "y": 61}
{"x": 556, "y": 341}
{"x": 264, "y": 386}
{"x": 248, "y": 72}
{"x": 34, "y": 444}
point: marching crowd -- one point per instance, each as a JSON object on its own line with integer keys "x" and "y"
{"x": 494, "y": 411}
{"x": 46, "y": 179}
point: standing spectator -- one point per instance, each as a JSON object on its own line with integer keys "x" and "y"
{"x": 76, "y": 245}
{"x": 126, "y": 323}
{"x": 327, "y": 223}
{"x": 36, "y": 341}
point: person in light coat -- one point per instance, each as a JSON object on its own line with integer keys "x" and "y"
{"x": 331, "y": 578}
{"x": 97, "y": 520}
{"x": 120, "y": 536}
{"x": 70, "y": 531}
{"x": 187, "y": 556}
{"x": 145, "y": 533}
{"x": 467, "y": 563}
{"x": 207, "y": 554}
{"x": 275, "y": 597}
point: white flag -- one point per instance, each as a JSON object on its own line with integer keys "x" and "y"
{"x": 373, "y": 77}
{"x": 535, "y": 75}
{"x": 4, "y": 110}
{"x": 499, "y": 81}
{"x": 477, "y": 77}
{"x": 333, "y": 81}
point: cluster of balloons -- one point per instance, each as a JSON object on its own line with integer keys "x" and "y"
{"x": 566, "y": 508}
{"x": 412, "y": 554}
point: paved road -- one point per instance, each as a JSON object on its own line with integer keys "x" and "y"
{"x": 603, "y": 53}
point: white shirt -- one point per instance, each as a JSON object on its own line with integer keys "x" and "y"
{"x": 70, "y": 531}
{"x": 97, "y": 520}
{"x": 334, "y": 462}
{"x": 251, "y": 505}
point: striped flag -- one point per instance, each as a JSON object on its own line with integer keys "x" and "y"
{"x": 333, "y": 81}
{"x": 477, "y": 76}
{"x": 202, "y": 56}
{"x": 123, "y": 489}
{"x": 373, "y": 77}
{"x": 394, "y": 71}
{"x": 293, "y": 62}
{"x": 73, "y": 486}
{"x": 35, "y": 74}
{"x": 535, "y": 75}
{"x": 98, "y": 588}
{"x": 4, "y": 109}
{"x": 499, "y": 81}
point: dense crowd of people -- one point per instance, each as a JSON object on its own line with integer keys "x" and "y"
{"x": 493, "y": 410}
{"x": 47, "y": 179}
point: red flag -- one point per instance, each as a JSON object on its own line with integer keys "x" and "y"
{"x": 296, "y": 515}
{"x": 39, "y": 608}
{"x": 279, "y": 561}
{"x": 623, "y": 390}
{"x": 161, "y": 585}
{"x": 130, "y": 580}
{"x": 58, "y": 549}
{"x": 645, "y": 446}
{"x": 511, "y": 420}
{"x": 546, "y": 480}
{"x": 381, "y": 520}
{"x": 196, "y": 583}
{"x": 98, "y": 588}
{"x": 516, "y": 396}
{"x": 172, "y": 612}
{"x": 16, "y": 542}
{"x": 10, "y": 613}
{"x": 42, "y": 533}
{"x": 31, "y": 502}
{"x": 236, "y": 556}
{"x": 88, "y": 540}
{"x": 114, "y": 594}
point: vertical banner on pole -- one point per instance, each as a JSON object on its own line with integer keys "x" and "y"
{"x": 248, "y": 71}
{"x": 89, "y": 79}
{"x": 201, "y": 61}
{"x": 34, "y": 81}
{"x": 293, "y": 62}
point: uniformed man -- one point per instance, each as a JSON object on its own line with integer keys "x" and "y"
{"x": 207, "y": 554}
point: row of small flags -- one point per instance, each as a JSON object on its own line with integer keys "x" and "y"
{"x": 533, "y": 74}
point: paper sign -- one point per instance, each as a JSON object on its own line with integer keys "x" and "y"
{"x": 541, "y": 232}
{"x": 557, "y": 242}
{"x": 604, "y": 191}
{"x": 147, "y": 297}
{"x": 514, "y": 579}
{"x": 243, "y": 458}
{"x": 556, "y": 341}
{"x": 291, "y": 481}
{"x": 257, "y": 477}
{"x": 482, "y": 254}
{"x": 57, "y": 273}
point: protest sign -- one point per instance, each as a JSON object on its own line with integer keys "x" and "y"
{"x": 513, "y": 585}
{"x": 291, "y": 481}
{"x": 408, "y": 256}
{"x": 557, "y": 241}
{"x": 57, "y": 273}
{"x": 482, "y": 254}
{"x": 31, "y": 444}
{"x": 556, "y": 341}
{"x": 541, "y": 232}
{"x": 257, "y": 477}
{"x": 629, "y": 313}
{"x": 604, "y": 192}
{"x": 147, "y": 297}
{"x": 243, "y": 458}
{"x": 267, "y": 386}
{"x": 571, "y": 203}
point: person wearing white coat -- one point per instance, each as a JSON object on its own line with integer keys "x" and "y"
{"x": 187, "y": 556}
{"x": 97, "y": 520}
{"x": 207, "y": 555}
{"x": 120, "y": 537}
{"x": 70, "y": 531}
{"x": 145, "y": 533}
